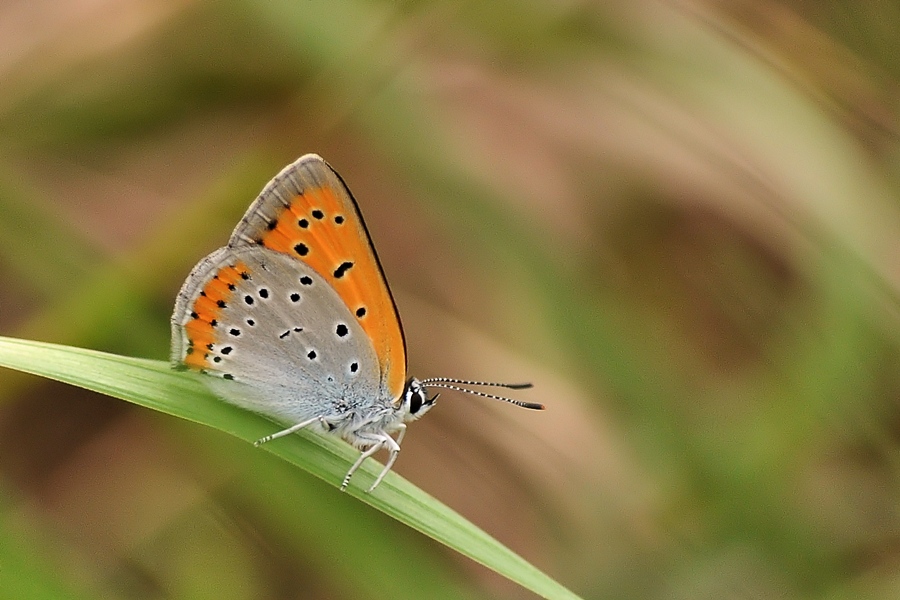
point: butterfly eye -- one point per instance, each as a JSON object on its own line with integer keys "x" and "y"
{"x": 416, "y": 400}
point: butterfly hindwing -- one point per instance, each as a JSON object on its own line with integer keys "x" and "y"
{"x": 307, "y": 213}
{"x": 275, "y": 335}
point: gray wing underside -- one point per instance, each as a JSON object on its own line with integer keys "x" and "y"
{"x": 286, "y": 345}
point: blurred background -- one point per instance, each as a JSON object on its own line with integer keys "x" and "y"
{"x": 679, "y": 219}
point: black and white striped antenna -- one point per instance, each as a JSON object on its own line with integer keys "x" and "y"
{"x": 454, "y": 384}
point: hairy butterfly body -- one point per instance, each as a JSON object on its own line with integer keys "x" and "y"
{"x": 293, "y": 319}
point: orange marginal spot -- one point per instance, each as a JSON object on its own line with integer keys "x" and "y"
{"x": 206, "y": 307}
{"x": 325, "y": 244}
{"x": 232, "y": 275}
{"x": 216, "y": 290}
{"x": 196, "y": 360}
{"x": 200, "y": 330}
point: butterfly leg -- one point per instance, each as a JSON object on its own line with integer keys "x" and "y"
{"x": 402, "y": 429}
{"x": 359, "y": 461}
{"x": 378, "y": 442}
{"x": 289, "y": 430}
{"x": 395, "y": 451}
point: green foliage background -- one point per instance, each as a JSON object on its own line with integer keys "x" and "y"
{"x": 678, "y": 219}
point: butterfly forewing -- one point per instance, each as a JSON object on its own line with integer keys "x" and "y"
{"x": 307, "y": 213}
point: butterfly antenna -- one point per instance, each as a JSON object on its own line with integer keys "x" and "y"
{"x": 446, "y": 383}
{"x": 511, "y": 386}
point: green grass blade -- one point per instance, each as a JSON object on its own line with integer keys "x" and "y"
{"x": 154, "y": 385}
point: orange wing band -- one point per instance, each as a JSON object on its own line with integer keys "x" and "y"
{"x": 201, "y": 329}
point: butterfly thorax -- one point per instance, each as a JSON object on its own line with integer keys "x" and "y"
{"x": 354, "y": 425}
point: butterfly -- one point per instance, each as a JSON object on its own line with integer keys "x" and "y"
{"x": 294, "y": 320}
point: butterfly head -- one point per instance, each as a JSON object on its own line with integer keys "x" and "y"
{"x": 415, "y": 400}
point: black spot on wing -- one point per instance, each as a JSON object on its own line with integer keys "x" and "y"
{"x": 342, "y": 269}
